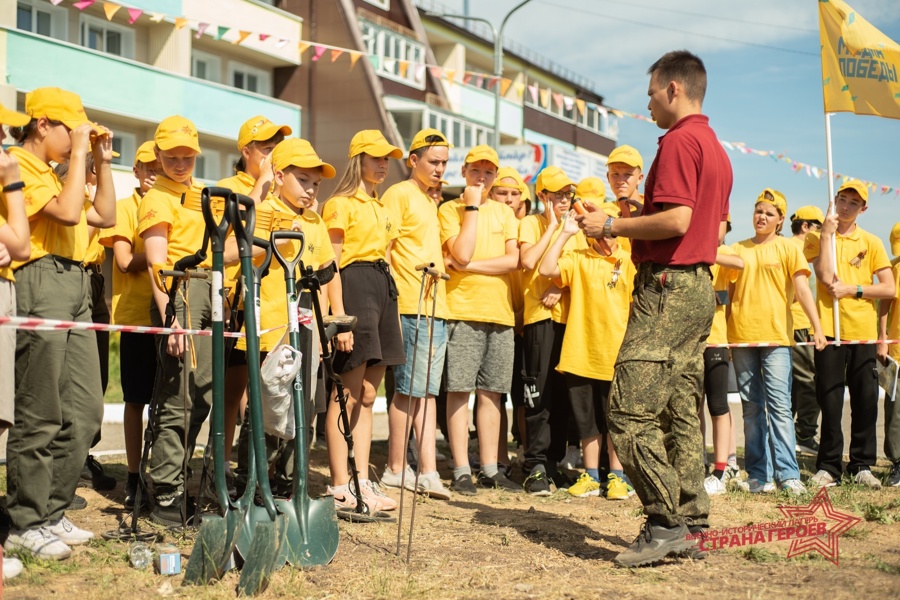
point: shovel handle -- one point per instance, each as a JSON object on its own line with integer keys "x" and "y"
{"x": 217, "y": 229}
{"x": 289, "y": 266}
{"x": 260, "y": 271}
{"x": 243, "y": 222}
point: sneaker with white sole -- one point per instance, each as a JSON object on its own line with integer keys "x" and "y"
{"x": 38, "y": 542}
{"x": 393, "y": 480}
{"x": 822, "y": 479}
{"x": 69, "y": 533}
{"x": 755, "y": 486}
{"x": 371, "y": 490}
{"x": 431, "y": 485}
{"x": 866, "y": 478}
{"x": 12, "y": 566}
{"x": 793, "y": 487}
{"x": 344, "y": 499}
{"x": 585, "y": 486}
{"x": 714, "y": 486}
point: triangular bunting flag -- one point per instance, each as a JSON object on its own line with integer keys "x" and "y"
{"x": 451, "y": 75}
{"x": 581, "y": 104}
{"x": 545, "y": 98}
{"x": 201, "y": 29}
{"x": 558, "y": 99}
{"x": 303, "y": 47}
{"x": 134, "y": 14}
{"x": 533, "y": 92}
{"x": 110, "y": 9}
{"x": 83, "y": 4}
{"x": 420, "y": 72}
{"x": 264, "y": 36}
{"x": 242, "y": 35}
{"x": 404, "y": 67}
{"x": 318, "y": 52}
{"x": 180, "y": 23}
{"x": 281, "y": 43}
{"x": 335, "y": 54}
{"x": 157, "y": 17}
{"x": 55, "y": 2}
{"x": 504, "y": 85}
{"x": 467, "y": 78}
{"x": 520, "y": 89}
{"x": 568, "y": 102}
{"x": 221, "y": 31}
{"x": 375, "y": 60}
{"x": 436, "y": 71}
{"x": 354, "y": 56}
{"x": 479, "y": 81}
{"x": 389, "y": 65}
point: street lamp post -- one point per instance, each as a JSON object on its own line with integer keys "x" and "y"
{"x": 498, "y": 57}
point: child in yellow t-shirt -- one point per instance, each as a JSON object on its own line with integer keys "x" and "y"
{"x": 774, "y": 270}
{"x": 600, "y": 280}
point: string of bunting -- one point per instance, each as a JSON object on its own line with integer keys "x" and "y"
{"x": 543, "y": 97}
{"x": 38, "y": 324}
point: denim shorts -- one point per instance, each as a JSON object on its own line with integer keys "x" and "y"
{"x": 403, "y": 373}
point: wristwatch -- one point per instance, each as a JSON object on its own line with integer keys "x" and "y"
{"x": 471, "y": 208}
{"x": 859, "y": 291}
{"x": 607, "y": 228}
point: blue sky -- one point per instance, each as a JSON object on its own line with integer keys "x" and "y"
{"x": 762, "y": 58}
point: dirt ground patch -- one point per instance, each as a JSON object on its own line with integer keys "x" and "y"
{"x": 503, "y": 545}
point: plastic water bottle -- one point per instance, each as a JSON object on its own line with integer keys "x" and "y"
{"x": 141, "y": 555}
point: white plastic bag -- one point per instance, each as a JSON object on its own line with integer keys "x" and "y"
{"x": 277, "y": 375}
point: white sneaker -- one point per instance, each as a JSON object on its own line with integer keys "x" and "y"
{"x": 714, "y": 486}
{"x": 39, "y": 542}
{"x": 12, "y": 566}
{"x": 755, "y": 486}
{"x": 68, "y": 533}
{"x": 572, "y": 459}
{"x": 822, "y": 479}
{"x": 866, "y": 478}
{"x": 793, "y": 487}
{"x": 431, "y": 485}
{"x": 391, "y": 479}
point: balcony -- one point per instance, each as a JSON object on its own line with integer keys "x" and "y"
{"x": 133, "y": 89}
{"x": 478, "y": 105}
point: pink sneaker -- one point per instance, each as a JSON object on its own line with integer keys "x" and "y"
{"x": 371, "y": 492}
{"x": 345, "y": 500}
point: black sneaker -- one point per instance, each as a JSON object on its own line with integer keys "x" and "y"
{"x": 78, "y": 503}
{"x": 498, "y": 481}
{"x": 562, "y": 480}
{"x": 893, "y": 479}
{"x": 808, "y": 445}
{"x": 92, "y": 476}
{"x": 169, "y": 514}
{"x": 131, "y": 496}
{"x": 463, "y": 485}
{"x": 654, "y": 543}
{"x": 536, "y": 484}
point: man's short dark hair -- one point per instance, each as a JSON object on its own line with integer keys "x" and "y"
{"x": 683, "y": 67}
{"x": 797, "y": 225}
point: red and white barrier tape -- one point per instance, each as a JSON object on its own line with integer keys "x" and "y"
{"x": 831, "y": 343}
{"x": 54, "y": 325}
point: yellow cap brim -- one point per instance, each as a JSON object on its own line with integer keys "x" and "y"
{"x": 267, "y": 132}
{"x": 13, "y": 118}
{"x": 188, "y": 142}
{"x": 328, "y": 172}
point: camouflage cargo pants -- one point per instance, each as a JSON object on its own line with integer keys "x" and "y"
{"x": 657, "y": 389}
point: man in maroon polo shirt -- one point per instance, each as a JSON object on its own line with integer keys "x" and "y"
{"x": 658, "y": 381}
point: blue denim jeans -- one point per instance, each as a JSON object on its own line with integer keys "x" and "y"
{"x": 764, "y": 383}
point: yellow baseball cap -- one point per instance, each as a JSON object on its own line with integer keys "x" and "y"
{"x": 444, "y": 182}
{"x": 855, "y": 184}
{"x": 591, "y": 188}
{"x": 552, "y": 179}
{"x": 510, "y": 173}
{"x": 627, "y": 155}
{"x": 895, "y": 240}
{"x": 777, "y": 199}
{"x": 808, "y": 213}
{"x": 259, "y": 129}
{"x": 177, "y": 132}
{"x": 373, "y": 143}
{"x": 145, "y": 153}
{"x": 57, "y": 105}
{"x": 297, "y": 152}
{"x": 483, "y": 152}
{"x": 420, "y": 140}
{"x": 13, "y": 118}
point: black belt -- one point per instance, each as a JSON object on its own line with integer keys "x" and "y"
{"x": 379, "y": 265}
{"x": 92, "y": 268}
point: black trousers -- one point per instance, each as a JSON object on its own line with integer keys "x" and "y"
{"x": 547, "y": 420}
{"x": 854, "y": 365}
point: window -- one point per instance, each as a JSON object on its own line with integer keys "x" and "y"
{"x": 249, "y": 78}
{"x": 401, "y": 58}
{"x": 382, "y": 4}
{"x": 206, "y": 66}
{"x": 124, "y": 144}
{"x": 208, "y": 166}
{"x": 460, "y": 132}
{"x": 104, "y": 36}
{"x": 42, "y": 19}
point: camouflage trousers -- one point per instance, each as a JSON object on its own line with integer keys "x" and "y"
{"x": 657, "y": 390}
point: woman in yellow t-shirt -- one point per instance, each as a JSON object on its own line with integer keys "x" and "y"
{"x": 774, "y": 270}
{"x": 361, "y": 234}
{"x": 59, "y": 402}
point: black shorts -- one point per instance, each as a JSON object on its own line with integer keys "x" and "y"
{"x": 589, "y": 399}
{"x": 715, "y": 380}
{"x": 370, "y": 295}
{"x": 137, "y": 366}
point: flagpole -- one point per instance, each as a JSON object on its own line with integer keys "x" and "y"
{"x": 835, "y": 308}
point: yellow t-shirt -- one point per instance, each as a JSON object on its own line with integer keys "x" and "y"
{"x": 764, "y": 291}
{"x": 131, "y": 292}
{"x": 893, "y": 331}
{"x": 366, "y": 225}
{"x": 162, "y": 204}
{"x": 598, "y": 311}
{"x": 801, "y": 321}
{"x": 859, "y": 255}
{"x": 473, "y": 296}
{"x": 418, "y": 230}
{"x": 241, "y": 183}
{"x": 42, "y": 186}
{"x": 722, "y": 276}
{"x": 317, "y": 252}
{"x": 531, "y": 228}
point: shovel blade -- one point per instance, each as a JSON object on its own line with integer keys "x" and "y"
{"x": 204, "y": 564}
{"x": 261, "y": 553}
{"x": 318, "y": 545}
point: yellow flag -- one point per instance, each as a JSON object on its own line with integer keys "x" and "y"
{"x": 859, "y": 63}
